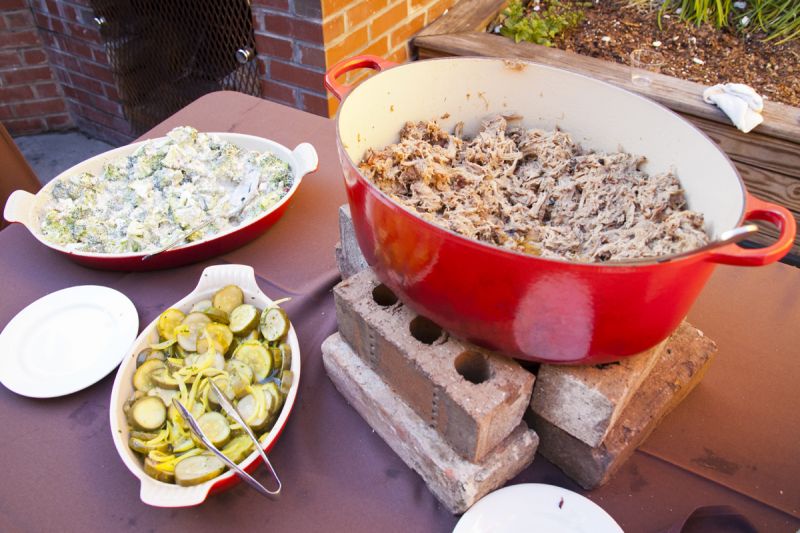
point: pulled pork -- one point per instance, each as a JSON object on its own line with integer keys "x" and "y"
{"x": 536, "y": 192}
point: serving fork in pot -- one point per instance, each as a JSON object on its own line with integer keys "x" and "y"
{"x": 231, "y": 410}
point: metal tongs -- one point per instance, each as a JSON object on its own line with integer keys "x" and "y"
{"x": 231, "y": 410}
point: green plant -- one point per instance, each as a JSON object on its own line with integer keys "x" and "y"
{"x": 524, "y": 23}
{"x": 716, "y": 12}
{"x": 779, "y": 19}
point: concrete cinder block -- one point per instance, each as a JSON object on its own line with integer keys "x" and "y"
{"x": 456, "y": 482}
{"x": 680, "y": 366}
{"x": 472, "y": 397}
{"x": 586, "y": 401}
{"x": 349, "y": 258}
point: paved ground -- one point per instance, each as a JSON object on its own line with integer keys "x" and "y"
{"x": 49, "y": 154}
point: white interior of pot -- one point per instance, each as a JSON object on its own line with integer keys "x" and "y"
{"x": 596, "y": 114}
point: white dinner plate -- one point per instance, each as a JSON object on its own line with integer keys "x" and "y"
{"x": 535, "y": 508}
{"x": 66, "y": 341}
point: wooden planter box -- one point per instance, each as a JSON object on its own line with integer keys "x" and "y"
{"x": 768, "y": 158}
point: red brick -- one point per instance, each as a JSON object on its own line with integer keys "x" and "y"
{"x": 330, "y": 7}
{"x": 333, "y": 28}
{"x": 9, "y": 58}
{"x": 19, "y": 39}
{"x": 16, "y": 94}
{"x": 35, "y": 56}
{"x": 278, "y": 92}
{"x": 25, "y": 125}
{"x": 111, "y": 92}
{"x": 281, "y": 5}
{"x": 58, "y": 121}
{"x": 311, "y": 9}
{"x": 436, "y": 10}
{"x": 78, "y": 48}
{"x": 40, "y": 107}
{"x": 311, "y": 56}
{"x": 106, "y": 105}
{"x": 8, "y": 5}
{"x": 6, "y": 112}
{"x": 57, "y": 25}
{"x": 299, "y": 29}
{"x": 362, "y": 11}
{"x": 273, "y": 46}
{"x": 2, "y": 24}
{"x": 87, "y": 84}
{"x": 46, "y": 90}
{"x": 100, "y": 56}
{"x": 388, "y": 20}
{"x": 404, "y": 32}
{"x": 379, "y": 48}
{"x": 19, "y": 19}
{"x": 98, "y": 72}
{"x": 314, "y": 103}
{"x": 354, "y": 42}
{"x": 415, "y": 4}
{"x": 26, "y": 75}
{"x": 295, "y": 75}
{"x": 82, "y": 32}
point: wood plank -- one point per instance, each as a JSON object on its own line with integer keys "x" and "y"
{"x": 465, "y": 15}
{"x": 753, "y": 148}
{"x": 780, "y": 121}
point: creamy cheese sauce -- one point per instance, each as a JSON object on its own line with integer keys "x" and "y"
{"x": 143, "y": 201}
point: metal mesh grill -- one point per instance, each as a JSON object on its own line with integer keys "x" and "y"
{"x": 165, "y": 54}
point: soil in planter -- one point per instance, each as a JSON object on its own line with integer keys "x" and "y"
{"x": 612, "y": 30}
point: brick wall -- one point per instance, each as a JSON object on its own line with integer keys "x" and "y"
{"x": 297, "y": 40}
{"x": 31, "y": 100}
{"x": 291, "y": 52}
{"x": 78, "y": 58}
{"x": 378, "y": 27}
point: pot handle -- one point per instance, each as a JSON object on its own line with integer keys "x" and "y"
{"x": 344, "y": 66}
{"x": 760, "y": 210}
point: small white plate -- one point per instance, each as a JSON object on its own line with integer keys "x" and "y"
{"x": 533, "y": 508}
{"x": 66, "y": 341}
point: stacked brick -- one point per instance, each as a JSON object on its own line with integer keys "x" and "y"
{"x": 77, "y": 55}
{"x": 31, "y": 100}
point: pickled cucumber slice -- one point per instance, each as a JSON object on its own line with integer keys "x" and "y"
{"x": 244, "y": 319}
{"x": 287, "y": 377}
{"x": 167, "y": 322}
{"x": 201, "y": 306}
{"x": 176, "y": 417}
{"x": 162, "y": 378}
{"x": 274, "y": 324}
{"x": 216, "y": 315}
{"x": 219, "y": 334}
{"x": 225, "y": 385}
{"x": 166, "y": 395}
{"x": 286, "y": 356}
{"x": 238, "y": 448}
{"x": 276, "y": 398}
{"x": 141, "y": 446}
{"x": 198, "y": 469}
{"x": 255, "y": 408}
{"x": 215, "y": 427}
{"x": 189, "y": 330}
{"x": 241, "y": 375}
{"x": 148, "y": 413}
{"x": 143, "y": 377}
{"x": 160, "y": 475}
{"x": 256, "y": 357}
{"x": 228, "y": 298}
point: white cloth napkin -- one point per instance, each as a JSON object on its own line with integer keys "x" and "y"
{"x": 740, "y": 102}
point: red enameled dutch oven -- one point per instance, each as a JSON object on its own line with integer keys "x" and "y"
{"x": 532, "y": 308}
